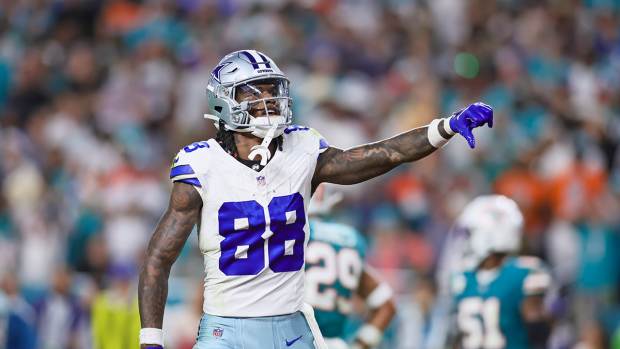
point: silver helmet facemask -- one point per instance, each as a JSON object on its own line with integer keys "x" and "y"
{"x": 247, "y": 92}
{"x": 263, "y": 102}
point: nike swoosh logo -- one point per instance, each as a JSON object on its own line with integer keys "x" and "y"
{"x": 288, "y": 344}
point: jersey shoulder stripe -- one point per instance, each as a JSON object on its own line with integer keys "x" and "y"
{"x": 181, "y": 170}
{"x": 191, "y": 181}
{"x": 323, "y": 144}
{"x": 189, "y": 163}
{"x": 293, "y": 128}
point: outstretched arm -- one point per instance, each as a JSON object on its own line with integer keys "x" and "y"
{"x": 367, "y": 161}
{"x": 166, "y": 243}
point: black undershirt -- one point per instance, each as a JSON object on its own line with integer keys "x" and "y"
{"x": 253, "y": 164}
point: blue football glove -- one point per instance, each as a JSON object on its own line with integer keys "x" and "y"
{"x": 465, "y": 120}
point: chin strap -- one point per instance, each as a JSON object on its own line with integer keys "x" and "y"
{"x": 262, "y": 150}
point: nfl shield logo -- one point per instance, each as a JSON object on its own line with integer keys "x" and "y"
{"x": 261, "y": 180}
{"x": 217, "y": 332}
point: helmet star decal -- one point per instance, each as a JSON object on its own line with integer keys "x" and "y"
{"x": 218, "y": 70}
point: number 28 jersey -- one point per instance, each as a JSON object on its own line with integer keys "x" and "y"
{"x": 253, "y": 228}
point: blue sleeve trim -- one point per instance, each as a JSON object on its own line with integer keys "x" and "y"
{"x": 192, "y": 181}
{"x": 195, "y": 146}
{"x": 293, "y": 128}
{"x": 323, "y": 144}
{"x": 181, "y": 170}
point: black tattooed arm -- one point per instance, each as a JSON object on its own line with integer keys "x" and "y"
{"x": 367, "y": 161}
{"x": 166, "y": 243}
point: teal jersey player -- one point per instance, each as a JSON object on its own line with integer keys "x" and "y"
{"x": 335, "y": 274}
{"x": 489, "y": 303}
{"x": 334, "y": 265}
{"x": 499, "y": 299}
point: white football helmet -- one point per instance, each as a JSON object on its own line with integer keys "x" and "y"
{"x": 494, "y": 224}
{"x": 241, "y": 72}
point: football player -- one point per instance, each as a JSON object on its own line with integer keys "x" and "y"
{"x": 499, "y": 300}
{"x": 248, "y": 190}
{"x": 336, "y": 272}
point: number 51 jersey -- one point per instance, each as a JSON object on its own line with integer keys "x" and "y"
{"x": 253, "y": 228}
{"x": 489, "y": 308}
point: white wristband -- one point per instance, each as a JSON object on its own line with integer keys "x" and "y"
{"x": 152, "y": 336}
{"x": 439, "y": 132}
{"x": 370, "y": 335}
{"x": 381, "y": 294}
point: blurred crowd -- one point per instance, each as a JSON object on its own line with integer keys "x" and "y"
{"x": 96, "y": 98}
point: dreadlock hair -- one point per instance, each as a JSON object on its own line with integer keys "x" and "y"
{"x": 279, "y": 141}
{"x": 226, "y": 139}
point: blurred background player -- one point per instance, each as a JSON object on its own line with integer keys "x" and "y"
{"x": 336, "y": 272}
{"x": 17, "y": 317}
{"x": 499, "y": 298}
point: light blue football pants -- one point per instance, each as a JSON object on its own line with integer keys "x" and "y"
{"x": 269, "y": 332}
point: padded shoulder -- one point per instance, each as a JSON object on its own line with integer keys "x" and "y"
{"x": 528, "y": 262}
{"x": 189, "y": 162}
{"x": 305, "y": 138}
{"x": 537, "y": 279}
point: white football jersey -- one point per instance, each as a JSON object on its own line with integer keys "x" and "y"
{"x": 254, "y": 229}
